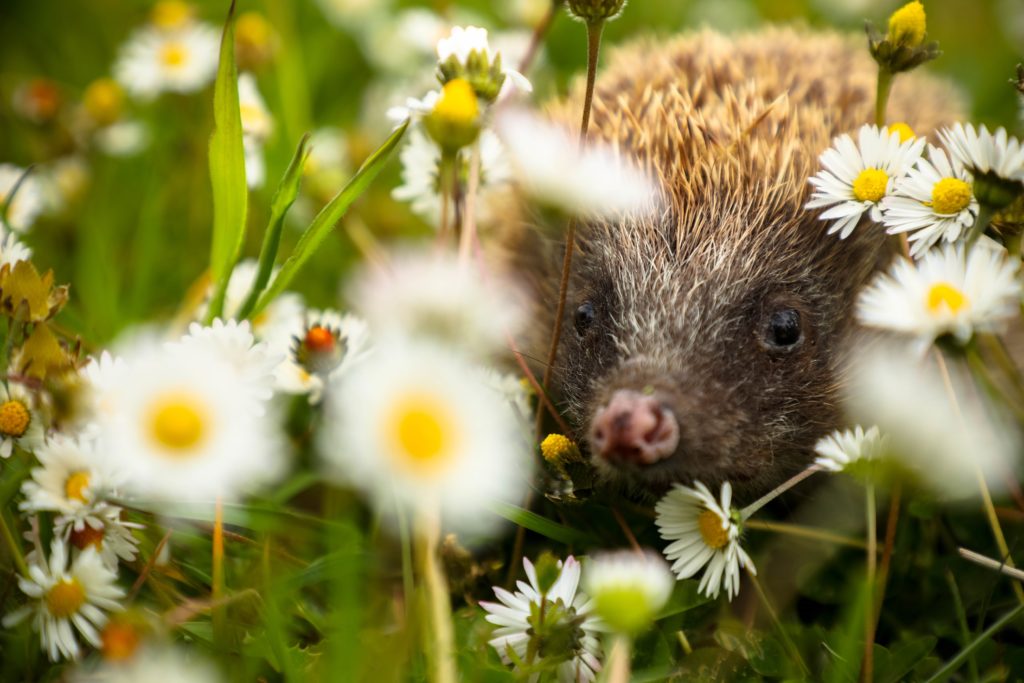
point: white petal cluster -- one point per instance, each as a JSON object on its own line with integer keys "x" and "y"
{"x": 845, "y": 447}
{"x": 984, "y": 152}
{"x": 155, "y": 60}
{"x": 24, "y": 205}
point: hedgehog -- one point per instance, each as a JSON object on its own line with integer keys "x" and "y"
{"x": 706, "y": 343}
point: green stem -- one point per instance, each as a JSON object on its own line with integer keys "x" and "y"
{"x": 618, "y": 667}
{"x": 747, "y": 512}
{"x": 12, "y": 543}
{"x": 594, "y": 32}
{"x": 803, "y": 532}
{"x": 985, "y": 214}
{"x": 870, "y": 510}
{"x": 778, "y": 623}
{"x": 955, "y": 663}
{"x": 432, "y": 574}
{"x": 961, "y": 617}
{"x": 882, "y": 95}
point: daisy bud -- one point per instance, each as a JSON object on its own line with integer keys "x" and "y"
{"x": 594, "y": 11}
{"x": 320, "y": 350}
{"x": 104, "y": 101}
{"x": 902, "y": 129}
{"x": 549, "y": 569}
{"x": 454, "y": 122}
{"x": 255, "y": 41}
{"x": 120, "y": 638}
{"x": 907, "y": 25}
{"x": 558, "y": 449}
{"x": 466, "y": 54}
{"x": 39, "y": 100}
{"x": 26, "y": 296}
{"x": 628, "y": 588}
{"x": 170, "y": 15}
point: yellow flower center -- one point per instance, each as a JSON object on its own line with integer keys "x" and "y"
{"x": 710, "y": 525}
{"x": 944, "y": 295}
{"x": 65, "y": 598}
{"x": 252, "y": 30}
{"x": 104, "y": 99}
{"x": 14, "y": 418}
{"x": 423, "y": 431}
{"x": 173, "y": 55}
{"x": 905, "y": 132}
{"x": 170, "y": 14}
{"x": 556, "y": 447}
{"x": 907, "y": 25}
{"x": 870, "y": 185}
{"x": 74, "y": 487}
{"x": 178, "y": 423}
{"x": 458, "y": 104}
{"x": 950, "y": 195}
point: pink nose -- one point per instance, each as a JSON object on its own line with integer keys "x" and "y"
{"x": 634, "y": 428}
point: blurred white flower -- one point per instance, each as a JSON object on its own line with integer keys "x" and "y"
{"x": 404, "y": 41}
{"x": 235, "y": 344}
{"x": 26, "y": 204}
{"x": 414, "y": 108}
{"x": 471, "y": 50}
{"x": 421, "y": 162}
{"x": 942, "y": 443}
{"x": 160, "y": 663}
{"x": 414, "y": 423}
{"x": 703, "y": 532}
{"x": 62, "y": 599}
{"x": 628, "y": 588}
{"x": 122, "y": 138}
{"x": 933, "y": 202}
{"x": 549, "y": 164}
{"x": 155, "y": 60}
{"x": 63, "y": 181}
{"x": 856, "y": 176}
{"x": 182, "y": 423}
{"x": 433, "y": 295}
{"x": 984, "y": 152}
{"x": 103, "y": 530}
{"x": 945, "y": 292}
{"x": 355, "y": 14}
{"x": 326, "y": 346}
{"x": 568, "y": 607}
{"x": 20, "y": 423}
{"x": 11, "y": 250}
{"x": 257, "y": 124}
{"x": 327, "y": 151}
{"x": 846, "y": 447}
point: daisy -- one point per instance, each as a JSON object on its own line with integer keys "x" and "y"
{"x": 323, "y": 349}
{"x": 628, "y": 588}
{"x": 567, "y": 616}
{"x": 20, "y": 424}
{"x": 25, "y": 205}
{"x": 234, "y": 342}
{"x": 155, "y": 60}
{"x": 166, "y": 664}
{"x": 257, "y": 125}
{"x": 181, "y": 422}
{"x": 844, "y": 448}
{"x": 68, "y": 482}
{"x": 933, "y": 202}
{"x": 11, "y": 250}
{"x": 415, "y": 423}
{"x": 64, "y": 597}
{"x": 703, "y": 531}
{"x": 421, "y": 168}
{"x": 466, "y": 53}
{"x": 945, "y": 292}
{"x": 122, "y": 139}
{"x": 433, "y": 295}
{"x": 548, "y": 163}
{"x": 858, "y": 175}
{"x": 983, "y": 152}
{"x": 104, "y": 530}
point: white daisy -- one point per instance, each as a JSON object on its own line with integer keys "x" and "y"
{"x": 154, "y": 60}
{"x": 26, "y": 204}
{"x": 944, "y": 293}
{"x": 471, "y": 51}
{"x": 548, "y": 163}
{"x": 628, "y": 588}
{"x": 257, "y": 125}
{"x": 11, "y": 250}
{"x": 122, "y": 139}
{"x": 323, "y": 349}
{"x": 933, "y": 202}
{"x": 433, "y": 295}
{"x": 234, "y": 342}
{"x": 63, "y": 598}
{"x": 843, "y": 448}
{"x": 69, "y": 480}
{"x": 413, "y": 422}
{"x": 154, "y": 663}
{"x": 354, "y": 14}
{"x": 104, "y": 530}
{"x": 20, "y": 424}
{"x": 856, "y": 176}
{"x": 181, "y": 422}
{"x": 983, "y": 152}
{"x": 567, "y": 616}
{"x": 421, "y": 167}
{"x": 703, "y": 531}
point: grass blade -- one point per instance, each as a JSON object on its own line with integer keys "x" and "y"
{"x": 958, "y": 661}
{"x": 227, "y": 170}
{"x": 324, "y": 222}
{"x": 283, "y": 199}
{"x": 536, "y": 523}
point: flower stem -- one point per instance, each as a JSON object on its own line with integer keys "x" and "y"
{"x": 468, "y": 236}
{"x": 431, "y": 573}
{"x": 594, "y": 31}
{"x": 777, "y": 622}
{"x": 618, "y": 666}
{"x": 539, "y": 32}
{"x": 985, "y": 214}
{"x": 882, "y": 95}
{"x": 446, "y": 189}
{"x": 217, "y": 587}
{"x": 16, "y": 552}
{"x": 748, "y": 511}
{"x": 803, "y": 532}
{"x": 870, "y": 511}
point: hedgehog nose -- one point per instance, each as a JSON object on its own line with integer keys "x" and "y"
{"x": 634, "y": 428}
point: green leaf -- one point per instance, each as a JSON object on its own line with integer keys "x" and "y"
{"x": 283, "y": 199}
{"x": 893, "y": 665}
{"x": 227, "y": 170}
{"x": 538, "y": 524}
{"x": 325, "y": 221}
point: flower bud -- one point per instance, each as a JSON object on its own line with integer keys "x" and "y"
{"x": 103, "y": 101}
{"x": 593, "y": 11}
{"x": 454, "y": 122}
{"x": 907, "y": 25}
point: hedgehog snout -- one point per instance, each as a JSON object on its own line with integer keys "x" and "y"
{"x": 634, "y": 428}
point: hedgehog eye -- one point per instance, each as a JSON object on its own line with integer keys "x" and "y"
{"x": 784, "y": 329}
{"x": 584, "y": 317}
